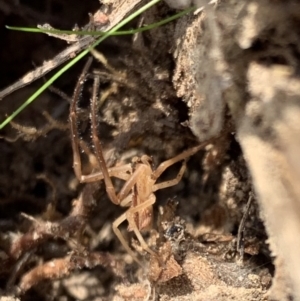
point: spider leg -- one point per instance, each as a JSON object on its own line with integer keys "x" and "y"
{"x": 184, "y": 155}
{"x": 132, "y": 224}
{"x": 74, "y": 121}
{"x": 127, "y": 187}
{"x": 115, "y": 227}
{"x": 172, "y": 182}
{"x": 97, "y": 145}
{"x": 128, "y": 215}
{"x": 121, "y": 172}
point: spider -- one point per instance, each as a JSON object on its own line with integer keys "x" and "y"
{"x": 140, "y": 184}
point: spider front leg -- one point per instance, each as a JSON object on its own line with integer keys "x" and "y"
{"x": 73, "y": 120}
{"x": 105, "y": 174}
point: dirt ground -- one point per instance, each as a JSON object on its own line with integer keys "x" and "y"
{"x": 226, "y": 76}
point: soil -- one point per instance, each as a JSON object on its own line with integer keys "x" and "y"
{"x": 227, "y": 77}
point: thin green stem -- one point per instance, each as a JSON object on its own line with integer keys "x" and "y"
{"x": 98, "y": 33}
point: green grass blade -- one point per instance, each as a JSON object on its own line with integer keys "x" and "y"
{"x": 98, "y": 33}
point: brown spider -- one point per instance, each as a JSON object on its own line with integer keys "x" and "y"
{"x": 140, "y": 181}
